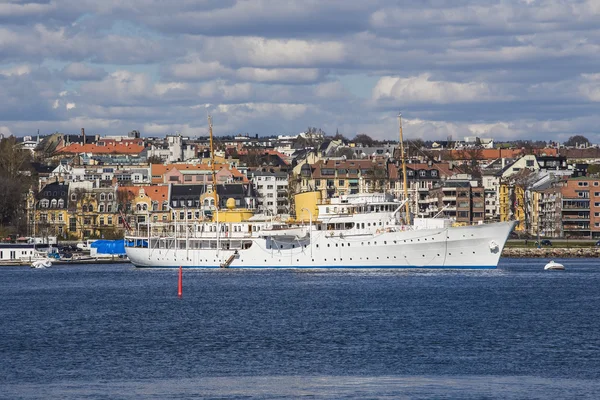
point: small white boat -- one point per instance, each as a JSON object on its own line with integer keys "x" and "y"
{"x": 554, "y": 266}
{"x": 42, "y": 263}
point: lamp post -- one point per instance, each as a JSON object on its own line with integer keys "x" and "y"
{"x": 309, "y": 228}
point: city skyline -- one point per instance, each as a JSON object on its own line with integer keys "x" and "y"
{"x": 507, "y": 70}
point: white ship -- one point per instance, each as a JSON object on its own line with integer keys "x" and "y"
{"x": 354, "y": 231}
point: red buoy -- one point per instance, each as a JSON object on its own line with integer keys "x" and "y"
{"x": 180, "y": 291}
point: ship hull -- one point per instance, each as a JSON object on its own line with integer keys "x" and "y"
{"x": 469, "y": 247}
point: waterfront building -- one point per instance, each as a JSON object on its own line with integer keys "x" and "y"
{"x": 272, "y": 188}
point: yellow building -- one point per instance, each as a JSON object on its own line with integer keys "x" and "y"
{"x": 512, "y": 204}
{"x": 47, "y": 212}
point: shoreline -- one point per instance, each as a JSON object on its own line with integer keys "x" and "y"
{"x": 549, "y": 252}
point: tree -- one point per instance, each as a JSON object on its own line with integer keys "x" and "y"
{"x": 154, "y": 160}
{"x": 593, "y": 169}
{"x": 345, "y": 152}
{"x": 339, "y": 136}
{"x": 577, "y": 140}
{"x": 364, "y": 139}
{"x": 377, "y": 175}
{"x": 253, "y": 158}
{"x": 14, "y": 184}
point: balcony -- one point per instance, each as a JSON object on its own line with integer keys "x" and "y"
{"x": 575, "y": 217}
{"x": 578, "y": 228}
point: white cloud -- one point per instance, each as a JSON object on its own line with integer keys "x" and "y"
{"x": 590, "y": 88}
{"x": 422, "y": 88}
{"x": 507, "y": 68}
{"x": 16, "y": 70}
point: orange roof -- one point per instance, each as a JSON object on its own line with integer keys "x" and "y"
{"x": 109, "y": 148}
{"x": 158, "y": 193}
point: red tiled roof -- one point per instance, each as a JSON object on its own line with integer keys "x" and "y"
{"x": 110, "y": 147}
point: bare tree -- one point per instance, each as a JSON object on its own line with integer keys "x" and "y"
{"x": 364, "y": 139}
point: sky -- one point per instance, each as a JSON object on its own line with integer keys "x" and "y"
{"x": 522, "y": 69}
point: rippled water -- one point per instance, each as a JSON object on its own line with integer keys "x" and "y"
{"x": 111, "y": 331}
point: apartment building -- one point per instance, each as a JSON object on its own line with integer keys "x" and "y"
{"x": 460, "y": 199}
{"x": 272, "y": 188}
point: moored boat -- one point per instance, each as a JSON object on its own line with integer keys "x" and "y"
{"x": 554, "y": 266}
{"x": 354, "y": 231}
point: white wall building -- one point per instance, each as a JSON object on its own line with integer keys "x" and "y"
{"x": 272, "y": 189}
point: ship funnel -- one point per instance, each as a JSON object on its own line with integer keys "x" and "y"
{"x": 306, "y": 206}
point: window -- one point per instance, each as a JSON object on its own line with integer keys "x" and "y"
{"x": 61, "y": 203}
{"x": 101, "y": 208}
{"x": 110, "y": 196}
{"x": 101, "y": 220}
{"x": 422, "y": 173}
{"x": 102, "y": 196}
{"x": 529, "y": 163}
{"x": 110, "y": 221}
{"x": 434, "y": 173}
{"x": 341, "y": 182}
{"x": 317, "y": 182}
{"x": 109, "y": 208}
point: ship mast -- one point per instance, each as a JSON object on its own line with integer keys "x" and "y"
{"x": 212, "y": 161}
{"x": 404, "y": 170}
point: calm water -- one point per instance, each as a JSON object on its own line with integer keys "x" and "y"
{"x": 114, "y": 332}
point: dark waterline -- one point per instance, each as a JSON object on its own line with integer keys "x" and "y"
{"x": 113, "y": 331}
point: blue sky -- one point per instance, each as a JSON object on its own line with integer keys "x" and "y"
{"x": 504, "y": 69}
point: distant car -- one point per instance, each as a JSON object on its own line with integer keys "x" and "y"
{"x": 598, "y": 243}
{"x": 546, "y": 242}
